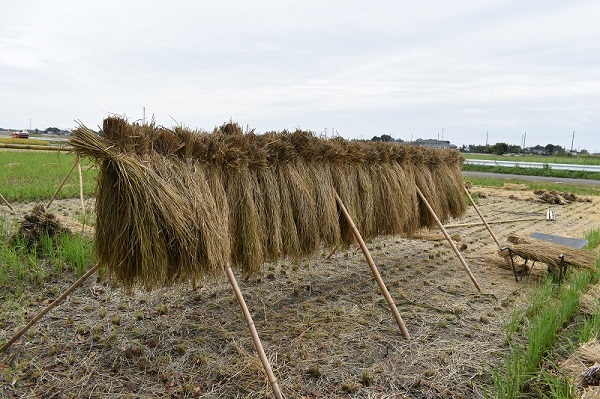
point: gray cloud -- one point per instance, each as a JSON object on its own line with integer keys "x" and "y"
{"x": 405, "y": 68}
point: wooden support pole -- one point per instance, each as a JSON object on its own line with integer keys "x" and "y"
{"x": 6, "y": 202}
{"x": 374, "y": 269}
{"x": 48, "y": 308}
{"x": 441, "y": 226}
{"x": 62, "y": 183}
{"x": 35, "y": 147}
{"x": 487, "y": 226}
{"x": 449, "y": 226}
{"x": 255, "y": 339}
{"x": 80, "y": 185}
{"x": 335, "y": 248}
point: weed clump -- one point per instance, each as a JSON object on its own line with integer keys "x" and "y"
{"x": 35, "y": 226}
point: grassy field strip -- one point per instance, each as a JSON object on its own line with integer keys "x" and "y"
{"x": 27, "y": 142}
{"x": 545, "y": 171}
{"x": 576, "y": 160}
{"x": 35, "y": 175}
{"x": 535, "y": 165}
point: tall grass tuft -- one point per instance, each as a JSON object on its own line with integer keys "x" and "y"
{"x": 593, "y": 237}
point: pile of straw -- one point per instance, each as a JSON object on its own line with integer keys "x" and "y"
{"x": 557, "y": 198}
{"x": 35, "y": 225}
{"x": 177, "y": 204}
{"x": 583, "y": 368}
{"x": 548, "y": 253}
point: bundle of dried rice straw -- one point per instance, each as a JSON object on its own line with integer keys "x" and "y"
{"x": 175, "y": 204}
{"x": 548, "y": 253}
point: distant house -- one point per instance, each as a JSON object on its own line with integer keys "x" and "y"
{"x": 432, "y": 143}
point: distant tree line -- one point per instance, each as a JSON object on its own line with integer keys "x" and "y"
{"x": 503, "y": 148}
{"x": 498, "y": 148}
{"x": 49, "y": 130}
{"x": 386, "y": 137}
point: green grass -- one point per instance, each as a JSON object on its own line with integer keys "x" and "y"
{"x": 550, "y": 310}
{"x": 554, "y": 387}
{"x": 5, "y": 140}
{"x": 593, "y": 237}
{"x": 574, "y": 160}
{"x": 533, "y": 334}
{"x": 21, "y": 266}
{"x": 546, "y": 171}
{"x": 36, "y": 175}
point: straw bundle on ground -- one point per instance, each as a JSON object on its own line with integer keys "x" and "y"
{"x": 35, "y": 225}
{"x": 176, "y": 204}
{"x": 548, "y": 253}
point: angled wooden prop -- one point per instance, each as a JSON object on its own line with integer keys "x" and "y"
{"x": 335, "y": 248}
{"x": 374, "y": 269}
{"x": 445, "y": 233}
{"x": 62, "y": 183}
{"x": 6, "y": 202}
{"x": 80, "y": 185}
{"x": 48, "y": 308}
{"x": 255, "y": 338}
{"x": 487, "y": 226}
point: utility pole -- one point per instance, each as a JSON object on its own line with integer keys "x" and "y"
{"x": 524, "y": 138}
{"x": 144, "y": 116}
{"x": 572, "y": 140}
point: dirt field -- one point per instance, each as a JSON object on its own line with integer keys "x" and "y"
{"x": 325, "y": 327}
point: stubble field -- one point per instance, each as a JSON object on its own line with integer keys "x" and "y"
{"x": 325, "y": 327}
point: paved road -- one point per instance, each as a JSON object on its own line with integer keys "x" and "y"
{"x": 535, "y": 178}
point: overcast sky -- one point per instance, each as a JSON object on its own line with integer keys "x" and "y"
{"x": 464, "y": 71}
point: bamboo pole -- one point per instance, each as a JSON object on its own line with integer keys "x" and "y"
{"x": 487, "y": 226}
{"x": 449, "y": 226}
{"x": 35, "y": 147}
{"x": 48, "y": 308}
{"x": 6, "y": 202}
{"x": 441, "y": 226}
{"x": 62, "y": 183}
{"x": 374, "y": 269}
{"x": 255, "y": 338}
{"x": 80, "y": 185}
{"x": 335, "y": 248}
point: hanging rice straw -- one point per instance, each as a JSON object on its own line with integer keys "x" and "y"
{"x": 176, "y": 204}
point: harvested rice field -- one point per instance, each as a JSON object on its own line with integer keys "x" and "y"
{"x": 325, "y": 327}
